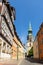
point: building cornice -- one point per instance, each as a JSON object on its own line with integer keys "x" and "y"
{"x": 19, "y": 39}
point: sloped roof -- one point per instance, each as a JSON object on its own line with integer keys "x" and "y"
{"x": 39, "y": 28}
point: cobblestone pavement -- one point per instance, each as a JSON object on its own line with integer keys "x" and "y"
{"x": 26, "y": 62}
{"x": 9, "y": 62}
{"x": 19, "y": 62}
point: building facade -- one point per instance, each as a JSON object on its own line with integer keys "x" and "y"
{"x": 6, "y": 28}
{"x": 18, "y": 47}
{"x": 35, "y": 48}
{"x": 38, "y": 44}
{"x": 9, "y": 41}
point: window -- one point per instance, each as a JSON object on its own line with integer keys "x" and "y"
{"x": 4, "y": 47}
{"x": 41, "y": 51}
{"x": 0, "y": 44}
{"x": 42, "y": 32}
{"x": 3, "y": 51}
{"x": 42, "y": 41}
{"x": 0, "y": 40}
{"x": 4, "y": 44}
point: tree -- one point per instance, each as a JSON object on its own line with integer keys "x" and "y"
{"x": 30, "y": 52}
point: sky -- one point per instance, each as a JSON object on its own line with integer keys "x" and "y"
{"x": 26, "y": 11}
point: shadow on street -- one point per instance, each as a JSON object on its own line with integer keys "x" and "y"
{"x": 32, "y": 60}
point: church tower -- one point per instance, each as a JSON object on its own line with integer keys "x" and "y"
{"x": 29, "y": 43}
{"x": 29, "y": 37}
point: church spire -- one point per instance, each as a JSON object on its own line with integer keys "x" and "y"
{"x": 30, "y": 29}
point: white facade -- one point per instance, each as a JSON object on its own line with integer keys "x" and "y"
{"x": 6, "y": 31}
{"x": 5, "y": 49}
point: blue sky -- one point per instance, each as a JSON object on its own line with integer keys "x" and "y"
{"x": 26, "y": 11}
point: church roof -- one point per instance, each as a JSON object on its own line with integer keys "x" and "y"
{"x": 41, "y": 26}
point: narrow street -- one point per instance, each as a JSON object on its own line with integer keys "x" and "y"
{"x": 20, "y": 62}
{"x": 26, "y": 62}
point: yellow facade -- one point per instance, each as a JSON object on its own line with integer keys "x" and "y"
{"x": 17, "y": 49}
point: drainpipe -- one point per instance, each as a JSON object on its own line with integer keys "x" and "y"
{"x": 17, "y": 52}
